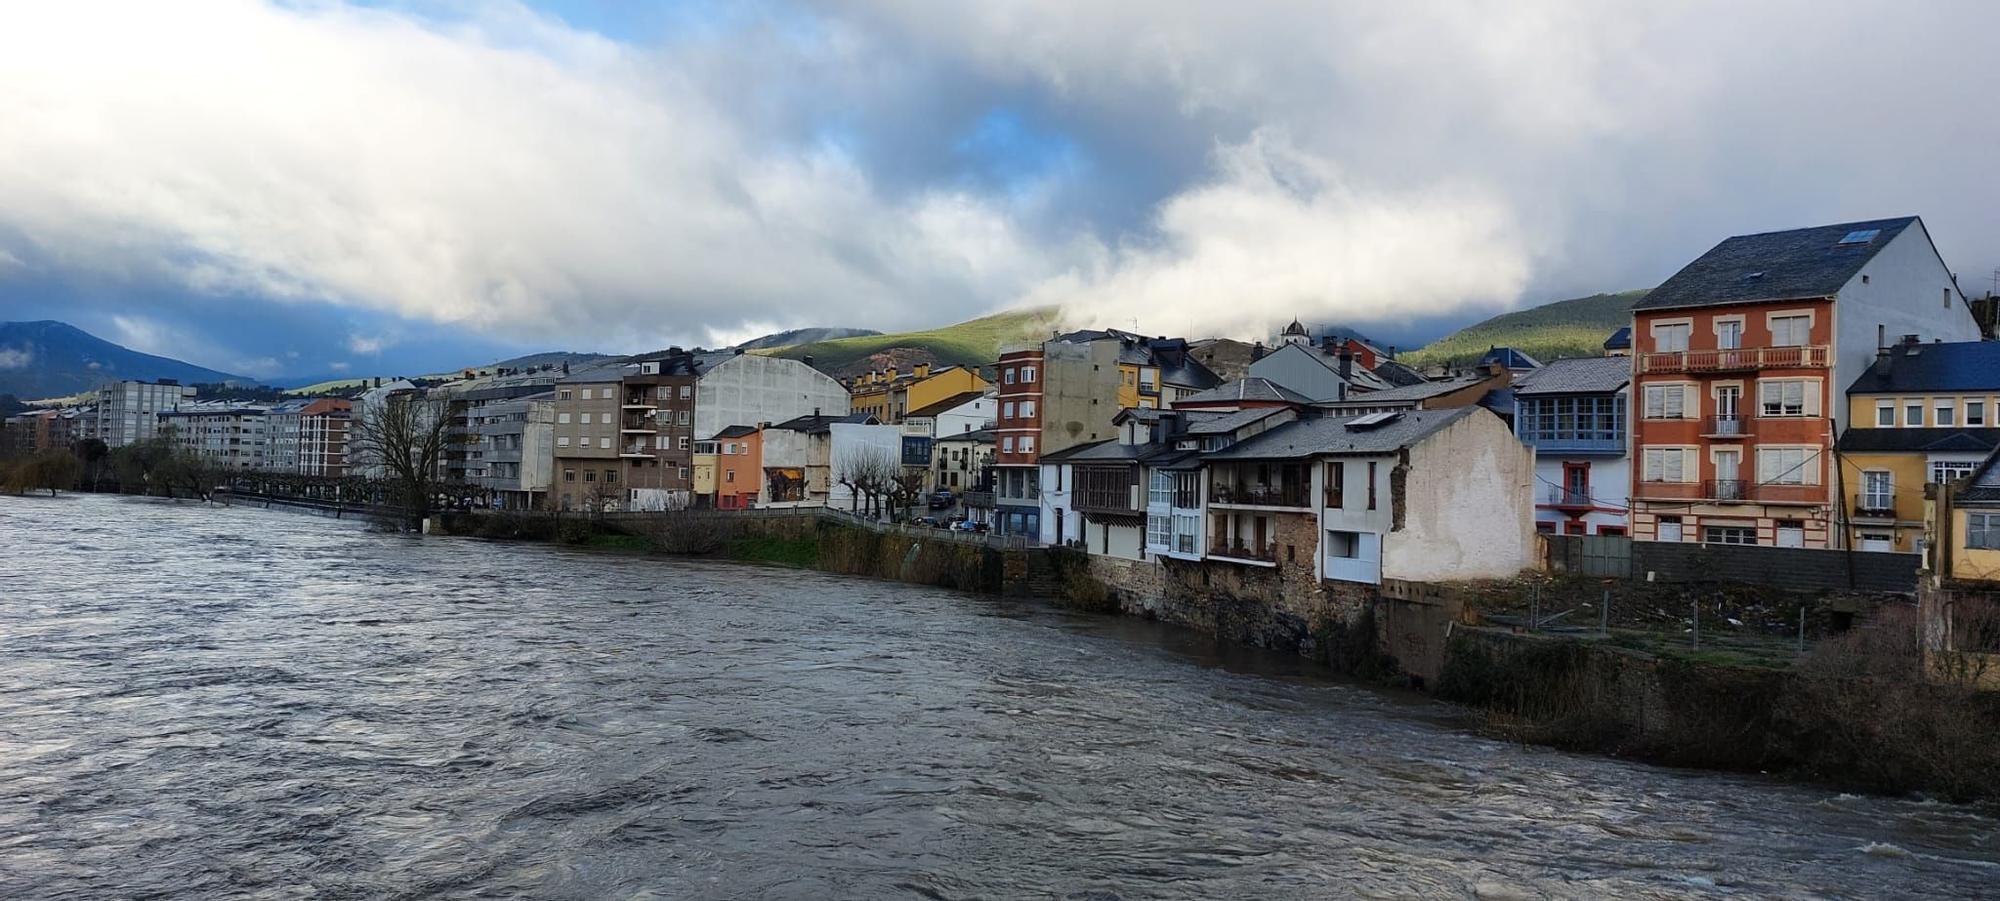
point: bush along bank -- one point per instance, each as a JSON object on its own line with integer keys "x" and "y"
{"x": 1832, "y": 719}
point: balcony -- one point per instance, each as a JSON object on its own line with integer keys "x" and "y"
{"x": 1875, "y": 506}
{"x": 1746, "y": 359}
{"x": 1611, "y": 443}
{"x": 634, "y": 449}
{"x": 637, "y": 400}
{"x": 1726, "y": 426}
{"x": 1113, "y": 491}
{"x": 1572, "y": 498}
{"x": 636, "y": 422}
{"x": 1261, "y": 485}
{"x": 1730, "y": 491}
{"x": 978, "y": 499}
{"x": 1264, "y": 555}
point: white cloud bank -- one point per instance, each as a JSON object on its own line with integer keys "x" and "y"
{"x": 1367, "y": 162}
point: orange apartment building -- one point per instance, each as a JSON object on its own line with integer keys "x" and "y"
{"x": 1738, "y": 363}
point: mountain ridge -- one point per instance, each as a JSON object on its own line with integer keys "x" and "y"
{"x": 47, "y": 358}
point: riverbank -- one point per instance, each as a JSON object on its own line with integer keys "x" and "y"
{"x": 1852, "y": 714}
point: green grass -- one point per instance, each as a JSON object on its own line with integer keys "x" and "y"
{"x": 800, "y": 553}
{"x": 1565, "y": 328}
{"x": 975, "y": 342}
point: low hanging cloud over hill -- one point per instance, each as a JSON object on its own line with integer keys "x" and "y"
{"x": 739, "y": 168}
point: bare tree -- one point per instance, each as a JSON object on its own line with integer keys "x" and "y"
{"x": 403, "y": 437}
{"x": 868, "y": 474}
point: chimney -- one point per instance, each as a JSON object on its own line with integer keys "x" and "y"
{"x": 815, "y": 412}
{"x": 1257, "y": 351}
{"x": 1346, "y": 364}
{"x": 1881, "y": 336}
{"x": 1883, "y": 356}
{"x": 1911, "y": 341}
{"x": 921, "y": 370}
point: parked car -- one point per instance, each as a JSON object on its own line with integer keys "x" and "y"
{"x": 943, "y": 500}
{"x": 930, "y": 521}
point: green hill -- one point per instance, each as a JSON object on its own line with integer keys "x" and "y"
{"x": 1565, "y": 328}
{"x": 975, "y": 342}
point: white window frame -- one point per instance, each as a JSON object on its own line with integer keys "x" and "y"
{"x": 1973, "y": 405}
{"x": 1783, "y": 472}
{"x": 1879, "y": 487}
{"x": 1772, "y": 318}
{"x": 1913, "y": 414}
{"x": 1686, "y": 334}
{"x": 1885, "y": 414}
{"x": 1944, "y": 414}
{"x": 1676, "y": 392}
{"x": 1653, "y": 466}
{"x": 1027, "y": 375}
{"x": 1982, "y": 531}
{"x": 1808, "y": 406}
{"x": 1716, "y": 327}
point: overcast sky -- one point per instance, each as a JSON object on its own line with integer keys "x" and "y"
{"x": 314, "y": 187}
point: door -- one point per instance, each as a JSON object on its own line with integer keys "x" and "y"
{"x": 1670, "y": 529}
{"x": 1791, "y": 534}
{"x": 1061, "y": 521}
{"x": 1878, "y": 543}
{"x": 1727, "y": 422}
{"x": 1728, "y": 468}
{"x": 1576, "y": 483}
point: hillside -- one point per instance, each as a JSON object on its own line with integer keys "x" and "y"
{"x": 975, "y": 342}
{"x": 54, "y": 359}
{"x": 1565, "y": 328}
{"x": 805, "y": 336}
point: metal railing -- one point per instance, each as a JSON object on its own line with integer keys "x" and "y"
{"x": 1868, "y": 504}
{"x": 1282, "y": 495}
{"x": 1569, "y": 497}
{"x": 1268, "y": 553}
{"x": 1731, "y": 425}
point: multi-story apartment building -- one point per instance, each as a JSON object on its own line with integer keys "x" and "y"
{"x": 624, "y": 435}
{"x": 512, "y": 440}
{"x": 281, "y": 432}
{"x": 43, "y": 430}
{"x": 890, "y": 395}
{"x": 1922, "y": 415}
{"x": 324, "y": 427}
{"x": 1016, "y": 497}
{"x": 1572, "y": 412}
{"x": 227, "y": 437}
{"x": 1736, "y": 363}
{"x": 128, "y": 412}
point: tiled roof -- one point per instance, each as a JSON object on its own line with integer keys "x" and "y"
{"x": 1253, "y": 389}
{"x": 1786, "y": 265}
{"x": 1954, "y": 366}
{"x": 1583, "y": 375}
{"x": 1330, "y": 435}
{"x": 1976, "y": 441}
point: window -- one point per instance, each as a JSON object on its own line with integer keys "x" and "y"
{"x": 729, "y": 475}
{"x": 1669, "y": 528}
{"x": 563, "y": 394}
{"x": 1787, "y": 466}
{"x": 610, "y": 475}
{"x": 682, "y": 444}
{"x": 1159, "y": 531}
{"x": 1729, "y": 534}
{"x": 1611, "y": 531}
{"x": 1160, "y": 488}
{"x": 1007, "y": 410}
{"x": 687, "y": 391}
{"x": 1913, "y": 415}
{"x": 1729, "y": 334}
{"x": 1336, "y": 484}
{"x": 1547, "y": 419}
{"x": 1878, "y": 490}
{"x": 1027, "y": 444}
{"x": 1186, "y": 527}
{"x": 562, "y": 440}
{"x": 602, "y": 443}
{"x": 1665, "y": 464}
{"x": 590, "y": 475}
{"x": 1007, "y": 376}
{"x": 1342, "y": 544}
{"x": 1007, "y": 445}
{"x": 1975, "y": 413}
{"x": 1371, "y": 484}
{"x": 562, "y": 418}
{"x": 1944, "y": 471}
{"x": 1027, "y": 374}
{"x": 583, "y": 418}
{"x": 1666, "y": 401}
{"x": 1947, "y": 414}
{"x": 1885, "y": 414}
{"x": 569, "y": 475}
{"x": 1982, "y": 530}
{"x": 1027, "y": 409}
{"x": 1671, "y": 338}
{"x": 1790, "y": 331}
{"x": 1782, "y": 397}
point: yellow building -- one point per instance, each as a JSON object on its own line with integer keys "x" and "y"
{"x": 1923, "y": 414}
{"x": 889, "y": 394}
{"x": 1965, "y": 527}
{"x": 704, "y": 473}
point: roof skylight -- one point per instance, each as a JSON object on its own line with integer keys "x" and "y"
{"x": 1861, "y": 236}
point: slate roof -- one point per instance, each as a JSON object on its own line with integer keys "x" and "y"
{"x": 1976, "y": 441}
{"x": 1620, "y": 339}
{"x": 1357, "y": 375}
{"x": 736, "y": 431}
{"x": 1069, "y": 453}
{"x": 976, "y": 436}
{"x": 813, "y": 425}
{"x": 947, "y": 405}
{"x": 1396, "y": 374}
{"x": 1305, "y": 438}
{"x": 1583, "y": 375}
{"x": 1417, "y": 392}
{"x": 1953, "y": 366}
{"x": 1253, "y": 389}
{"x": 1230, "y": 422}
{"x": 1510, "y": 358}
{"x": 1786, "y": 265}
{"x": 1984, "y": 486}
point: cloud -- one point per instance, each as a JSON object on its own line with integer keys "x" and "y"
{"x": 893, "y": 163}
{"x": 12, "y": 358}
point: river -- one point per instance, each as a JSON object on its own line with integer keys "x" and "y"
{"x": 212, "y": 702}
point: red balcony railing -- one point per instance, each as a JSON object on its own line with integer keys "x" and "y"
{"x": 1810, "y": 356}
